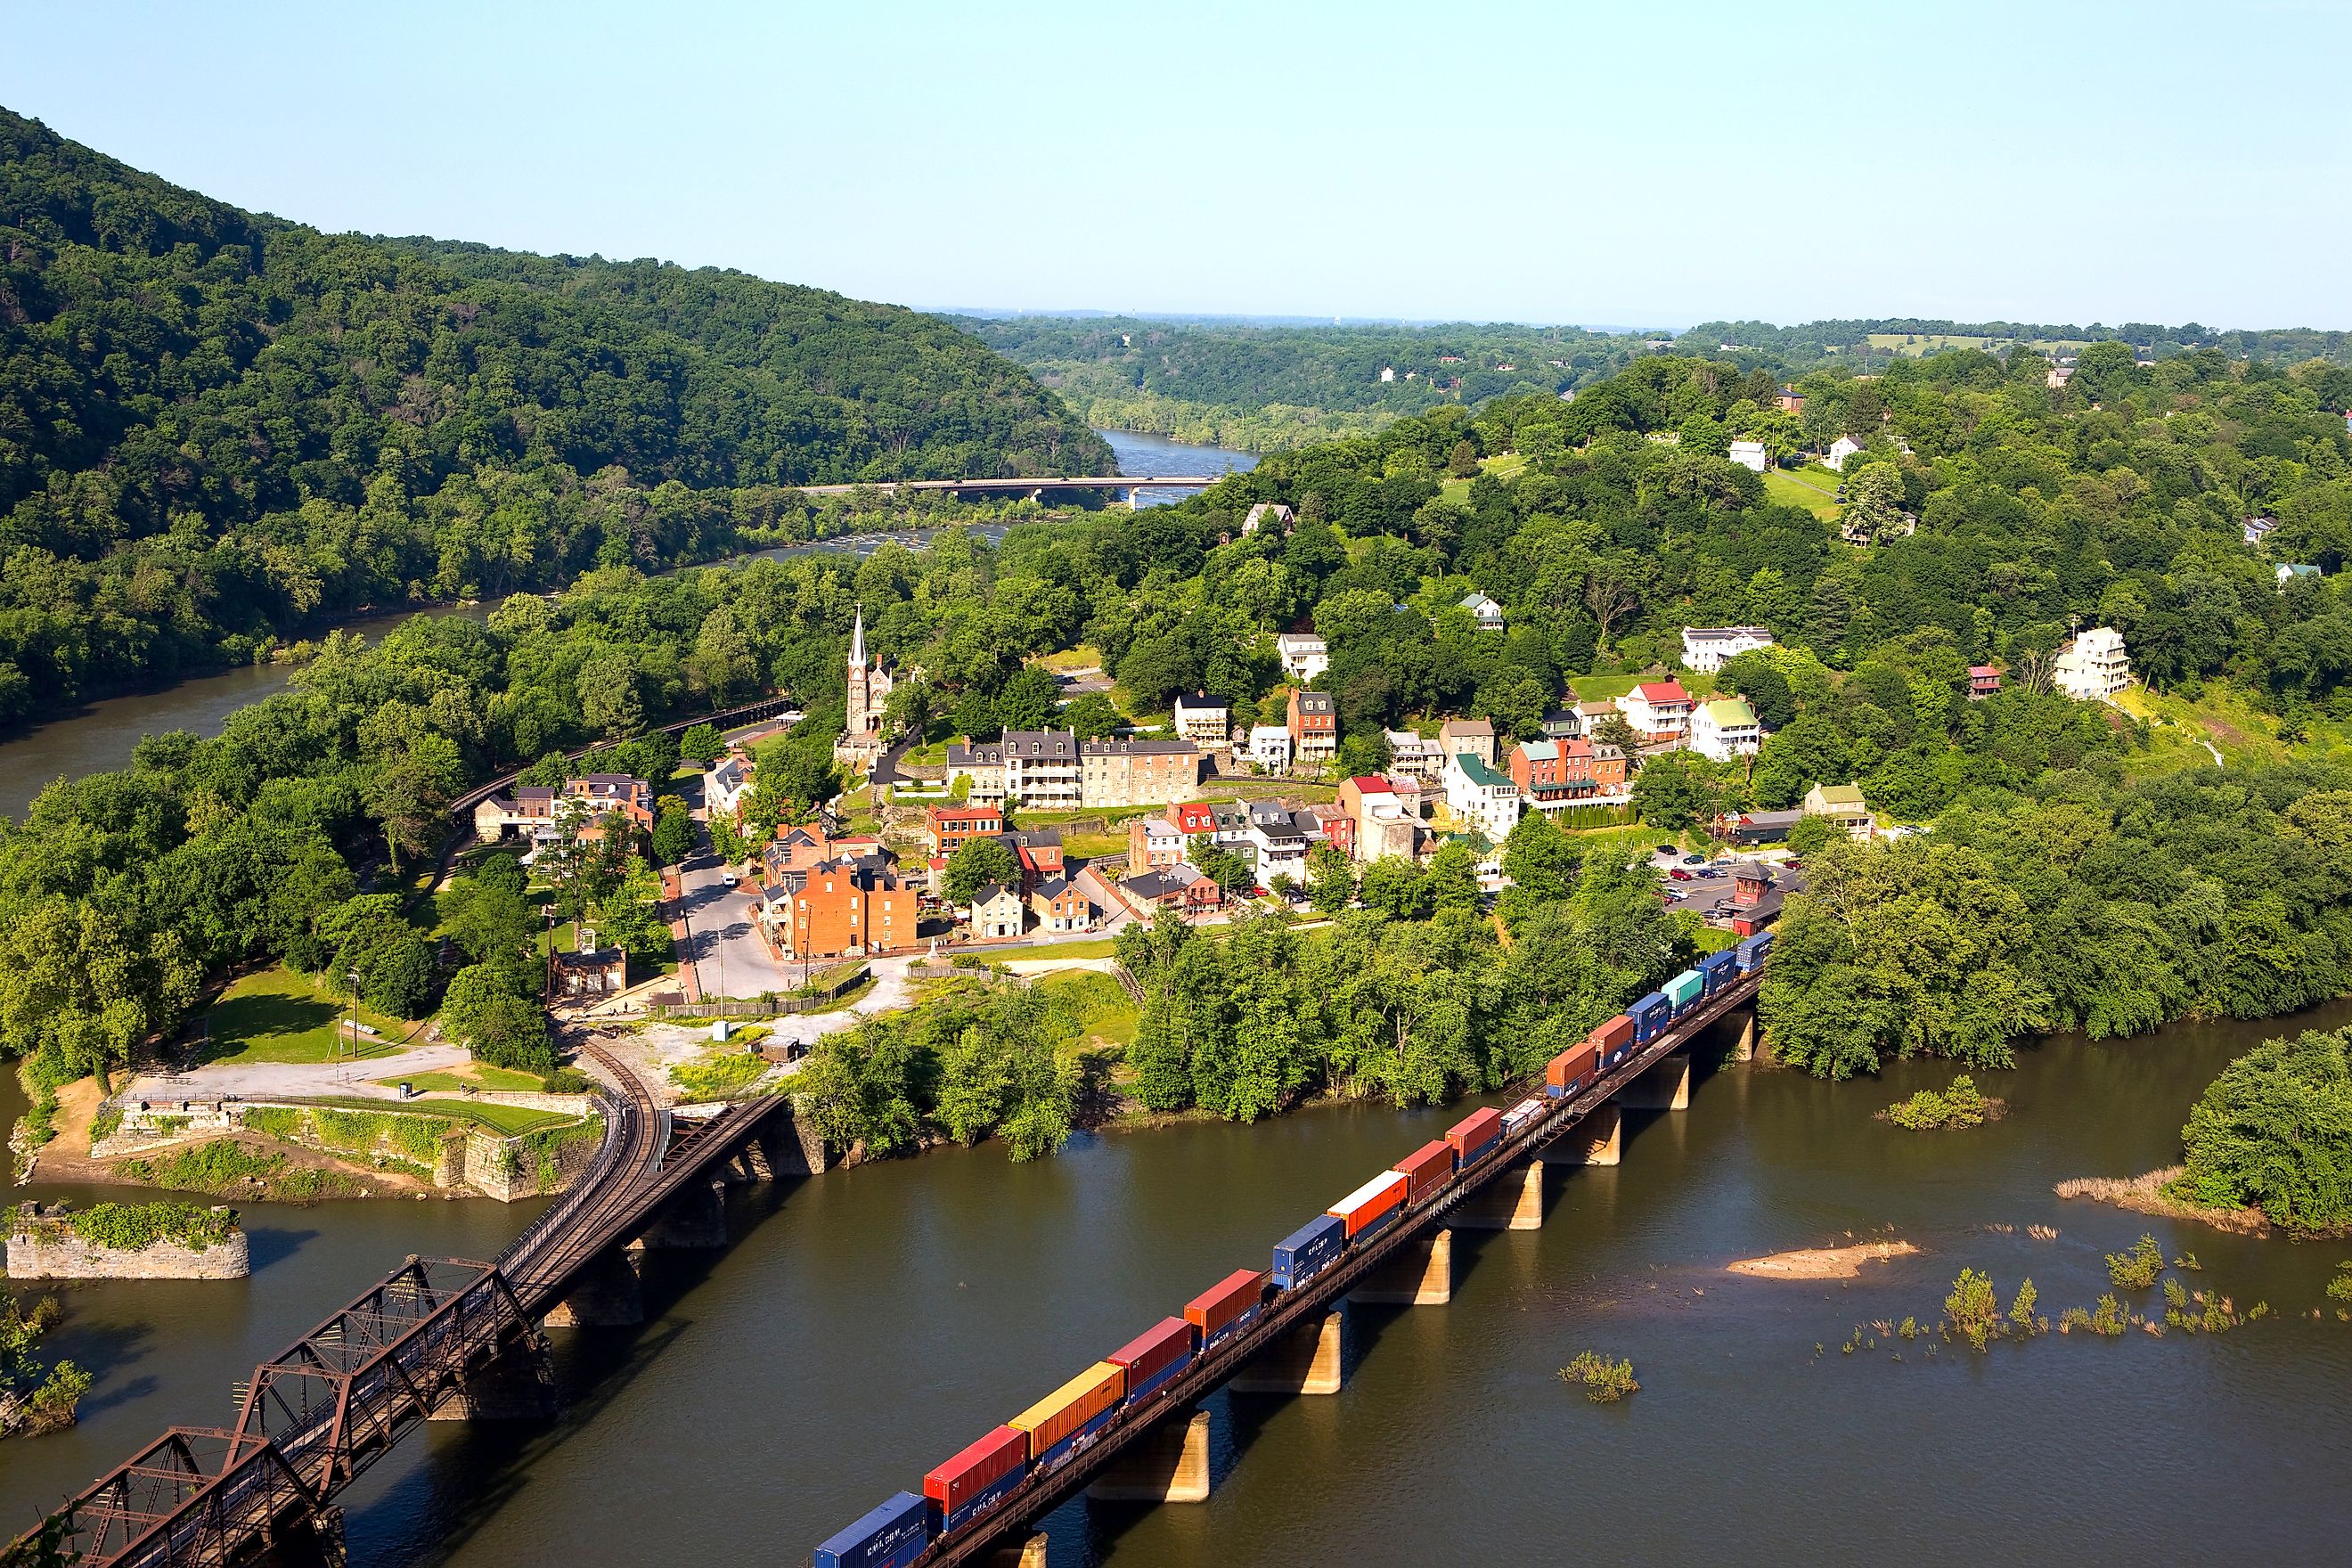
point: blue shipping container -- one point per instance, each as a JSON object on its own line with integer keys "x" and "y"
{"x": 1307, "y": 1251}
{"x": 1752, "y": 951}
{"x": 1719, "y": 969}
{"x": 890, "y": 1537}
{"x": 1650, "y": 1015}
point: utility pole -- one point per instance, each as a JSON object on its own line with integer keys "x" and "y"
{"x": 353, "y": 976}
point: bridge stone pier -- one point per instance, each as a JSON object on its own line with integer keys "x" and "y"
{"x": 606, "y": 1295}
{"x": 693, "y": 1220}
{"x": 1514, "y": 1202}
{"x": 1665, "y": 1086}
{"x": 518, "y": 1386}
{"x": 1307, "y": 1362}
{"x": 1598, "y": 1139}
{"x": 1030, "y": 1553}
{"x": 1422, "y": 1277}
{"x": 1170, "y": 1465}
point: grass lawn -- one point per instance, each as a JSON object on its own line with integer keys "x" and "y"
{"x": 1094, "y": 845}
{"x": 1789, "y": 490}
{"x": 480, "y": 1075}
{"x": 2186, "y": 733}
{"x": 278, "y": 1015}
{"x": 1083, "y": 657}
{"x": 1102, "y": 948}
{"x": 1102, "y": 1006}
{"x": 508, "y": 1121}
{"x": 930, "y": 754}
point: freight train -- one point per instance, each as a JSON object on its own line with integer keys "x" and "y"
{"x": 1068, "y": 1421}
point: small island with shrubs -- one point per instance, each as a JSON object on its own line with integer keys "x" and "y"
{"x": 126, "y": 1241}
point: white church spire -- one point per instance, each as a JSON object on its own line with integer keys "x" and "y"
{"x": 857, "y": 640}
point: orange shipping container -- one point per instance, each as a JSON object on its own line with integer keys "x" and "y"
{"x": 1371, "y": 1204}
{"x": 1069, "y": 1409}
{"x": 1608, "y": 1037}
{"x": 1426, "y": 1168}
{"x": 1573, "y": 1065}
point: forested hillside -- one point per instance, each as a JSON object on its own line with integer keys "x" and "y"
{"x": 216, "y": 424}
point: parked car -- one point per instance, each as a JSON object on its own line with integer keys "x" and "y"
{"x": 1679, "y": 875}
{"x": 729, "y": 878}
{"x": 1694, "y": 859}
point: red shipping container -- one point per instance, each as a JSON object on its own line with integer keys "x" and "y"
{"x": 1230, "y": 1297}
{"x": 1068, "y": 1410}
{"x": 1425, "y": 1170}
{"x": 977, "y": 1468}
{"x": 1608, "y": 1037}
{"x": 1574, "y": 1065}
{"x": 1475, "y": 1131}
{"x": 1166, "y": 1343}
{"x": 1367, "y": 1206}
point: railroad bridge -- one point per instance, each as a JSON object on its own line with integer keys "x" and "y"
{"x": 444, "y": 1339}
{"x": 1034, "y": 489}
{"x": 437, "y": 1339}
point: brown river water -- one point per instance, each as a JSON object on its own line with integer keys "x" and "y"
{"x": 868, "y": 1322}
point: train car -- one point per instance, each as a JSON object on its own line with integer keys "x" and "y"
{"x": 890, "y": 1536}
{"x": 1613, "y": 1041}
{"x": 1651, "y": 1015}
{"x": 1067, "y": 1421}
{"x": 1475, "y": 1137}
{"x": 1751, "y": 951}
{"x": 1154, "y": 1356}
{"x": 1371, "y": 1207}
{"x": 1425, "y": 1170}
{"x": 1684, "y": 990}
{"x": 1225, "y": 1309}
{"x": 1719, "y": 969}
{"x": 976, "y": 1479}
{"x": 1307, "y": 1251}
{"x": 1572, "y": 1069}
{"x": 1519, "y": 1115}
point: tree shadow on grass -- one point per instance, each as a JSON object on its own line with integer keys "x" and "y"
{"x": 241, "y": 1021}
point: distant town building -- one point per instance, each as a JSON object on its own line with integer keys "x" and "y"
{"x": 837, "y": 908}
{"x": 1268, "y": 513}
{"x": 1842, "y": 804}
{"x": 1314, "y": 728}
{"x": 1122, "y": 771}
{"x": 1415, "y": 755}
{"x": 1658, "y": 710}
{"x": 2091, "y": 667}
{"x": 1153, "y": 843}
{"x": 1203, "y": 719}
{"x": 1052, "y": 770}
{"x": 1382, "y": 827}
{"x": 1725, "y": 727}
{"x": 1704, "y": 649}
{"x": 727, "y": 787}
{"x": 996, "y": 911}
{"x": 1842, "y": 449}
{"x": 1789, "y": 400}
{"x": 596, "y": 971}
{"x": 2288, "y": 574}
{"x": 2057, "y": 376}
{"x": 863, "y": 738}
{"x": 1561, "y": 724}
{"x": 1984, "y": 679}
{"x": 2258, "y": 530}
{"x": 1304, "y": 655}
{"x": 1061, "y": 904}
{"x": 947, "y": 828}
{"x": 1751, "y": 455}
{"x": 540, "y": 811}
{"x": 1485, "y": 611}
{"x": 1270, "y": 747}
{"x": 1479, "y": 797}
{"x": 1474, "y": 736}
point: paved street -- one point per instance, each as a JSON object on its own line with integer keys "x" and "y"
{"x": 722, "y": 926}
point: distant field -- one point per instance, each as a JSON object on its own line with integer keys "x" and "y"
{"x": 1916, "y": 343}
{"x": 1789, "y": 490}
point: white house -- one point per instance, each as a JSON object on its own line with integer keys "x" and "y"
{"x": 1725, "y": 727}
{"x": 1705, "y": 647}
{"x": 1263, "y": 512}
{"x": 2258, "y": 529}
{"x": 728, "y": 786}
{"x": 1269, "y": 747}
{"x": 1416, "y": 754}
{"x": 1202, "y": 718}
{"x": 1750, "y": 455}
{"x": 996, "y": 911}
{"x": 2091, "y": 667}
{"x": 1480, "y": 798}
{"x": 1842, "y": 449}
{"x": 1304, "y": 655}
{"x": 1659, "y": 712}
{"x": 1485, "y": 611}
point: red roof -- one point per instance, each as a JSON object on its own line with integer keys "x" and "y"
{"x": 1193, "y": 818}
{"x": 1662, "y": 692}
{"x": 1978, "y": 671}
{"x": 1372, "y": 783}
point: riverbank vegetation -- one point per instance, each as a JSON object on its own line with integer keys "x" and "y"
{"x": 1605, "y": 1381}
{"x": 133, "y": 1227}
{"x": 227, "y": 1168}
{"x": 35, "y": 1395}
{"x": 1959, "y": 1104}
{"x": 2275, "y": 1131}
{"x": 217, "y": 427}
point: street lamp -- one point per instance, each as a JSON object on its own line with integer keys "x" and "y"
{"x": 353, "y": 976}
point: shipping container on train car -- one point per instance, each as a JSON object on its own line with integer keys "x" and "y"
{"x": 1071, "y": 1417}
{"x": 1650, "y": 1015}
{"x": 1571, "y": 1069}
{"x": 1372, "y": 1206}
{"x": 1425, "y": 1170}
{"x": 1307, "y": 1251}
{"x": 1154, "y": 1356}
{"x": 890, "y": 1536}
{"x": 1685, "y": 989}
{"x": 1719, "y": 969}
{"x": 1751, "y": 951}
{"x": 1226, "y": 1308}
{"x": 976, "y": 1479}
{"x": 1614, "y": 1040}
{"x": 1475, "y": 1136}
{"x": 1519, "y": 1115}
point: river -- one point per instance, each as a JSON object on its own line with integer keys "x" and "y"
{"x": 96, "y": 736}
{"x": 868, "y": 1322}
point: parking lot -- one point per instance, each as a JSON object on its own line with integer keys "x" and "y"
{"x": 1699, "y": 889}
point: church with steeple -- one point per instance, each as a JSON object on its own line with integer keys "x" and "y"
{"x": 862, "y": 741}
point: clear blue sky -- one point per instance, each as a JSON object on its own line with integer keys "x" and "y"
{"x": 1654, "y": 162}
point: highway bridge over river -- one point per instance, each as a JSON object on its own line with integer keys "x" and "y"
{"x": 448, "y": 1338}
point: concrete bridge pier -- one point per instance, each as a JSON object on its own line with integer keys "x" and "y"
{"x": 1597, "y": 1139}
{"x": 518, "y": 1386}
{"x": 1307, "y": 1361}
{"x": 1664, "y": 1086}
{"x": 606, "y": 1295}
{"x": 696, "y": 1219}
{"x": 1169, "y": 1465}
{"x": 316, "y": 1541}
{"x": 1743, "y": 1037}
{"x": 1511, "y": 1202}
{"x": 1030, "y": 1553}
{"x": 1421, "y": 1277}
